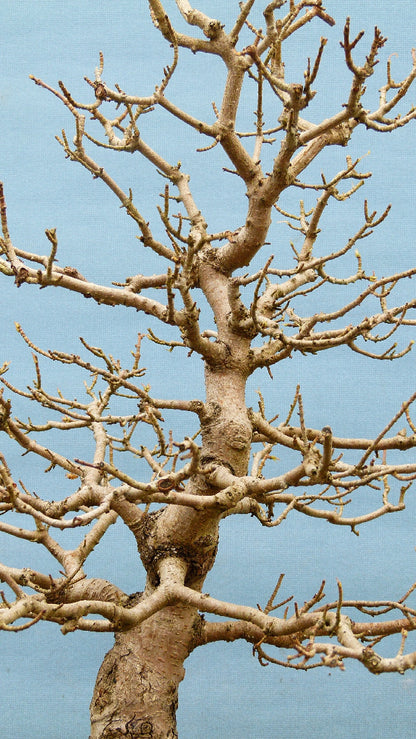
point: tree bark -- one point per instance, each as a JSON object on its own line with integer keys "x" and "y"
{"x": 136, "y": 693}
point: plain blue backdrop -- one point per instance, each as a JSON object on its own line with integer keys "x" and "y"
{"x": 47, "y": 679}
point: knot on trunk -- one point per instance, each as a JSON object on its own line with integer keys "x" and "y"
{"x": 155, "y": 544}
{"x": 228, "y": 442}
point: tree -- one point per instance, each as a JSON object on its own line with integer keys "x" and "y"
{"x": 220, "y": 296}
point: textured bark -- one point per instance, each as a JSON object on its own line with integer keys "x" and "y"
{"x": 136, "y": 692}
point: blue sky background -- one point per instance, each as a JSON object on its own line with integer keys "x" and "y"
{"x": 47, "y": 679}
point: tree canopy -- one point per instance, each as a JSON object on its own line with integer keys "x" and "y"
{"x": 249, "y": 291}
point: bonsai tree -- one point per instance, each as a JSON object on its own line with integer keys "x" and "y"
{"x": 172, "y": 468}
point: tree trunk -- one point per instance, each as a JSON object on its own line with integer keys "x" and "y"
{"x": 136, "y": 693}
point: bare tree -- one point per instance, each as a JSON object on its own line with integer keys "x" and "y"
{"x": 248, "y": 320}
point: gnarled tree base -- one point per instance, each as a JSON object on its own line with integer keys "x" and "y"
{"x": 136, "y": 693}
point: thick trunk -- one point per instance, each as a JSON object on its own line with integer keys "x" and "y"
{"x": 136, "y": 692}
{"x": 137, "y": 686}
